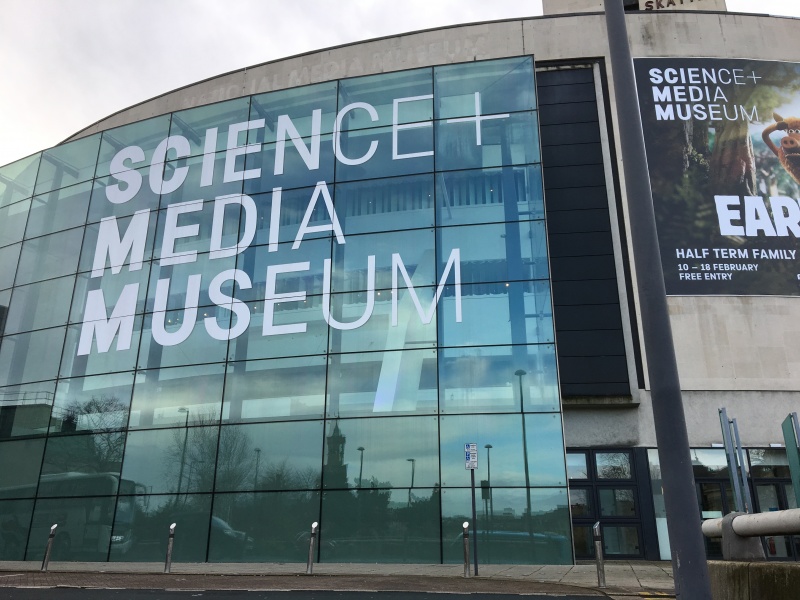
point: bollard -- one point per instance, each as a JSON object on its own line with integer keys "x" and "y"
{"x": 168, "y": 561}
{"x": 465, "y": 525}
{"x": 312, "y": 540}
{"x": 598, "y": 555}
{"x": 49, "y": 548}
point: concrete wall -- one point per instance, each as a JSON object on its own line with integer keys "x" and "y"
{"x": 560, "y": 7}
{"x": 754, "y": 581}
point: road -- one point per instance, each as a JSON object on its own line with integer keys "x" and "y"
{"x": 116, "y": 594}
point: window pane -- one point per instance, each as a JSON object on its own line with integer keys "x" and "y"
{"x": 385, "y": 161}
{"x": 84, "y": 528}
{"x": 298, "y": 105}
{"x": 270, "y": 456}
{"x": 120, "y": 355}
{"x": 176, "y": 397}
{"x": 613, "y": 465}
{"x": 617, "y": 502}
{"x": 193, "y": 123}
{"x": 12, "y": 222}
{"x": 580, "y": 499}
{"x": 144, "y": 134}
{"x": 393, "y": 204}
{"x": 59, "y": 210}
{"x": 101, "y": 207}
{"x": 576, "y": 466}
{"x": 296, "y": 389}
{"x": 141, "y": 525}
{"x": 487, "y": 195}
{"x": 382, "y": 382}
{"x": 82, "y": 465}
{"x": 189, "y": 325}
{"x": 119, "y": 230}
{"x": 486, "y": 380}
{"x": 26, "y": 456}
{"x": 545, "y": 450}
{"x": 389, "y": 457}
{"x": 201, "y": 219}
{"x": 769, "y": 463}
{"x": 192, "y": 189}
{"x": 17, "y": 179}
{"x": 111, "y": 286}
{"x": 263, "y": 527}
{"x": 395, "y": 526}
{"x": 67, "y": 164}
{"x": 708, "y": 462}
{"x": 16, "y": 518}
{"x": 39, "y": 305}
{"x": 86, "y": 404}
{"x": 380, "y": 91}
{"x": 171, "y": 460}
{"x": 25, "y": 409}
{"x": 179, "y": 277}
{"x": 620, "y": 540}
{"x": 300, "y": 168}
{"x": 8, "y": 265}
{"x": 49, "y": 256}
{"x": 30, "y": 357}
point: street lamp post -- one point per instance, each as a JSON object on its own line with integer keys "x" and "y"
{"x": 361, "y": 466}
{"x": 258, "y": 461}
{"x": 413, "y": 462}
{"x": 521, "y": 373}
{"x": 489, "y": 480}
{"x": 183, "y": 409}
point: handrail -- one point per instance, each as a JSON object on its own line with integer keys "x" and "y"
{"x": 781, "y": 522}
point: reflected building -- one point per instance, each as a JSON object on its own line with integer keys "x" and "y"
{"x": 247, "y": 310}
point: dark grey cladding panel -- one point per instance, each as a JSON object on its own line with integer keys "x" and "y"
{"x": 574, "y": 112}
{"x": 585, "y": 292}
{"x": 569, "y": 133}
{"x": 602, "y": 368}
{"x": 564, "y": 77}
{"x": 569, "y": 199}
{"x": 578, "y": 344}
{"x": 580, "y": 244}
{"x": 595, "y": 388}
{"x": 561, "y": 94}
{"x": 578, "y": 176}
{"x": 590, "y": 317}
{"x": 582, "y": 268}
{"x": 576, "y": 221}
{"x": 570, "y": 155}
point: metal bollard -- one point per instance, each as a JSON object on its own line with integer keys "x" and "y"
{"x": 598, "y": 555}
{"x": 170, "y": 541}
{"x": 49, "y": 548}
{"x": 465, "y": 525}
{"x": 311, "y": 542}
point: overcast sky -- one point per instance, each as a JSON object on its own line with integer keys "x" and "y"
{"x": 69, "y": 63}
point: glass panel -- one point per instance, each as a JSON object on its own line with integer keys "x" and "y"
{"x": 197, "y": 346}
{"x": 583, "y": 541}
{"x": 26, "y": 456}
{"x": 142, "y": 522}
{"x": 711, "y": 502}
{"x": 620, "y": 540}
{"x": 768, "y": 463}
{"x": 613, "y": 465}
{"x": 392, "y": 204}
{"x": 86, "y": 404}
{"x": 49, "y": 256}
{"x": 12, "y": 221}
{"x": 502, "y": 432}
{"x": 487, "y": 195}
{"x": 767, "y": 498}
{"x": 66, "y": 164}
{"x": 175, "y": 397}
{"x": 709, "y": 462}
{"x": 179, "y": 277}
{"x": 497, "y": 313}
{"x": 15, "y": 519}
{"x": 576, "y": 466}
{"x": 193, "y": 123}
{"x": 30, "y": 357}
{"x": 545, "y": 448}
{"x": 580, "y": 499}
{"x": 382, "y": 382}
{"x": 413, "y": 153}
{"x": 270, "y": 456}
{"x": 379, "y": 453}
{"x": 25, "y": 409}
{"x": 380, "y": 91}
{"x": 414, "y": 247}
{"x": 84, "y": 528}
{"x": 504, "y": 86}
{"x": 145, "y": 198}
{"x": 201, "y": 219}
{"x": 192, "y": 189}
{"x": 8, "y": 265}
{"x": 17, "y": 179}
{"x": 120, "y": 355}
{"x": 117, "y": 230}
{"x": 39, "y": 305}
{"x": 316, "y": 163}
{"x": 510, "y": 139}
{"x": 293, "y": 205}
{"x": 82, "y": 465}
{"x": 392, "y": 526}
{"x": 144, "y": 134}
{"x": 111, "y": 286}
{"x": 296, "y": 389}
{"x": 486, "y": 380}
{"x": 791, "y": 499}
{"x": 501, "y": 252}
{"x": 506, "y": 535}
{"x": 171, "y": 460}
{"x": 265, "y": 527}
{"x": 59, "y": 210}
{"x": 298, "y": 104}
{"x": 617, "y": 502}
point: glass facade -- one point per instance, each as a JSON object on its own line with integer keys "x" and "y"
{"x": 285, "y": 308}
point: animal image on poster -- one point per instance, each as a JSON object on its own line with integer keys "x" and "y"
{"x": 723, "y": 149}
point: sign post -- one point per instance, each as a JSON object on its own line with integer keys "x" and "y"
{"x": 791, "y": 436}
{"x": 471, "y": 463}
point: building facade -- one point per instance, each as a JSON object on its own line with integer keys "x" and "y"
{"x": 296, "y": 292}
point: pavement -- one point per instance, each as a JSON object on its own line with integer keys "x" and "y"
{"x": 625, "y": 580}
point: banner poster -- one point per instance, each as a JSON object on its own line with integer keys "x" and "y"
{"x": 723, "y": 148}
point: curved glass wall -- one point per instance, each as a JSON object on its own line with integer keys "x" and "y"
{"x": 296, "y": 306}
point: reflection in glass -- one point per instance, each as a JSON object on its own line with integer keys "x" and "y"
{"x": 580, "y": 500}
{"x": 82, "y": 465}
{"x": 186, "y": 331}
{"x": 100, "y": 207}
{"x": 613, "y": 465}
{"x": 12, "y": 222}
{"x": 87, "y": 404}
{"x": 31, "y": 356}
{"x": 545, "y": 447}
{"x": 193, "y": 123}
{"x": 117, "y": 358}
{"x": 122, "y": 226}
{"x": 144, "y": 134}
{"x": 296, "y": 173}
{"x": 111, "y": 287}
{"x": 58, "y": 210}
{"x": 15, "y": 518}
{"x": 270, "y": 456}
{"x": 84, "y": 528}
{"x": 617, "y": 502}
{"x": 768, "y": 463}
{"x": 141, "y": 524}
{"x": 298, "y": 104}
{"x": 49, "y": 256}
{"x": 26, "y": 456}
{"x": 576, "y": 465}
{"x": 192, "y": 189}
{"x": 619, "y": 539}
{"x": 39, "y": 305}
{"x": 358, "y": 143}
{"x": 25, "y": 409}
{"x": 17, "y": 179}
{"x": 8, "y": 265}
{"x": 67, "y": 164}
{"x": 380, "y": 92}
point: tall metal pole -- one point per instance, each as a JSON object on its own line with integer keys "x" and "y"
{"x": 683, "y": 514}
{"x": 521, "y": 373}
{"x": 185, "y": 439}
